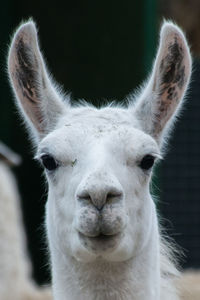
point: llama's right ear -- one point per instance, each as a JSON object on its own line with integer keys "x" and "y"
{"x": 36, "y": 96}
{"x": 159, "y": 102}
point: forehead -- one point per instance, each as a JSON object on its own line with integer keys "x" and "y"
{"x": 94, "y": 118}
{"x": 90, "y": 126}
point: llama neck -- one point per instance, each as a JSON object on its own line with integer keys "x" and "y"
{"x": 135, "y": 279}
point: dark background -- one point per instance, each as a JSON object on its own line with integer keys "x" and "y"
{"x": 101, "y": 51}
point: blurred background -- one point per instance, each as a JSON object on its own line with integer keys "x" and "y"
{"x": 101, "y": 51}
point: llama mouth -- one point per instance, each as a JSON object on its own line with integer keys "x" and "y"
{"x": 100, "y": 236}
{"x": 101, "y": 242}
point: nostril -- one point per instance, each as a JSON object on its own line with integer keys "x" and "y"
{"x": 114, "y": 195}
{"x": 84, "y": 197}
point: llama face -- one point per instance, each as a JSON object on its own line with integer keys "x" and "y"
{"x": 98, "y": 162}
{"x": 99, "y": 190}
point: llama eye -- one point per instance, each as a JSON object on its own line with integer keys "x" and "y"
{"x": 147, "y": 162}
{"x": 49, "y": 162}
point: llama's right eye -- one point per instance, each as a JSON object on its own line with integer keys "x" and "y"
{"x": 147, "y": 162}
{"x": 49, "y": 162}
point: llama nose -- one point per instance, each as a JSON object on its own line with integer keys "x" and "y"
{"x": 99, "y": 197}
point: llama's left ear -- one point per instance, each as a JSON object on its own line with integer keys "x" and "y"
{"x": 37, "y": 97}
{"x": 160, "y": 100}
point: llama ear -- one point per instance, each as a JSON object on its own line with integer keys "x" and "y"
{"x": 36, "y": 96}
{"x": 161, "y": 98}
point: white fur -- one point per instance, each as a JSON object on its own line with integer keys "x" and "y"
{"x": 188, "y": 284}
{"x": 99, "y": 152}
{"x": 15, "y": 269}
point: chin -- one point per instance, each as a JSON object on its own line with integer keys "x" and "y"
{"x": 101, "y": 244}
{"x": 106, "y": 247}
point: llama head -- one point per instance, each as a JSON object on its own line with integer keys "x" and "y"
{"x": 98, "y": 162}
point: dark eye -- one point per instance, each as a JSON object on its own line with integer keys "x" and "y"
{"x": 49, "y": 162}
{"x": 147, "y": 162}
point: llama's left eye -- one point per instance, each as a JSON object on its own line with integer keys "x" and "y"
{"x": 49, "y": 162}
{"x": 147, "y": 162}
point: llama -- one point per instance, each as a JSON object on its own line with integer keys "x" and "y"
{"x": 15, "y": 268}
{"x": 188, "y": 285}
{"x": 101, "y": 221}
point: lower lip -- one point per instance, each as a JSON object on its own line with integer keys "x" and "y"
{"x": 100, "y": 237}
{"x": 101, "y": 242}
{"x": 103, "y": 237}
